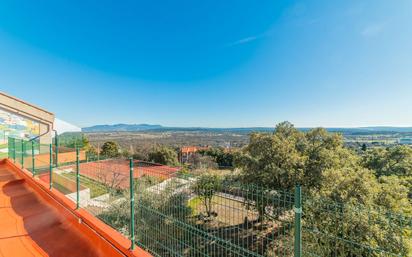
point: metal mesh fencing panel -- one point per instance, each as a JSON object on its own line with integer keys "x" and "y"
{"x": 42, "y": 161}
{"x": 104, "y": 184}
{"x": 64, "y": 156}
{"x": 332, "y": 229}
{"x": 64, "y": 181}
{"x": 181, "y": 215}
{"x": 30, "y": 148}
{"x": 19, "y": 151}
{"x": 11, "y": 152}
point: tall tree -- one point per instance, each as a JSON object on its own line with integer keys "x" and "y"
{"x": 289, "y": 157}
{"x": 205, "y": 187}
{"x": 220, "y": 156}
{"x": 395, "y": 160}
{"x": 110, "y": 149}
{"x": 164, "y": 155}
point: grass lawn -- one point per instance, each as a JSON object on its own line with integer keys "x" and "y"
{"x": 229, "y": 212}
{"x": 96, "y": 188}
{"x": 194, "y": 204}
{"x": 232, "y": 221}
{"x": 61, "y": 189}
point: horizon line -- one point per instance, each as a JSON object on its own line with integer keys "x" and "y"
{"x": 245, "y": 127}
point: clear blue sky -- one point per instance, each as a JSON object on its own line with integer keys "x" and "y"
{"x": 212, "y": 63}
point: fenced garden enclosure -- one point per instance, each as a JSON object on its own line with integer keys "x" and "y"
{"x": 170, "y": 213}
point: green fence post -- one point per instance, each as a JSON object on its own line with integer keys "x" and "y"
{"x": 56, "y": 141}
{"x": 298, "y": 219}
{"x": 14, "y": 150}
{"x": 77, "y": 179}
{"x": 22, "y": 154}
{"x": 32, "y": 158}
{"x": 51, "y": 166}
{"x": 131, "y": 204}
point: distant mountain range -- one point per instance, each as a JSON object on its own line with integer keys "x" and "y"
{"x": 149, "y": 127}
{"x": 121, "y": 127}
{"x": 160, "y": 128}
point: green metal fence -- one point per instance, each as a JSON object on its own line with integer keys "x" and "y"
{"x": 11, "y": 151}
{"x": 178, "y": 217}
{"x": 17, "y": 150}
{"x": 169, "y": 213}
{"x": 333, "y": 229}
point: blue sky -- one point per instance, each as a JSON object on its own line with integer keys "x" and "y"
{"x": 212, "y": 63}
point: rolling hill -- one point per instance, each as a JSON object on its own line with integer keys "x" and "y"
{"x": 160, "y": 128}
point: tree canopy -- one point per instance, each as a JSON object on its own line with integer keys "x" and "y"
{"x": 110, "y": 149}
{"x": 163, "y": 155}
{"x": 205, "y": 187}
{"x": 338, "y": 181}
{"x": 289, "y": 157}
{"x": 395, "y": 160}
{"x": 220, "y": 156}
